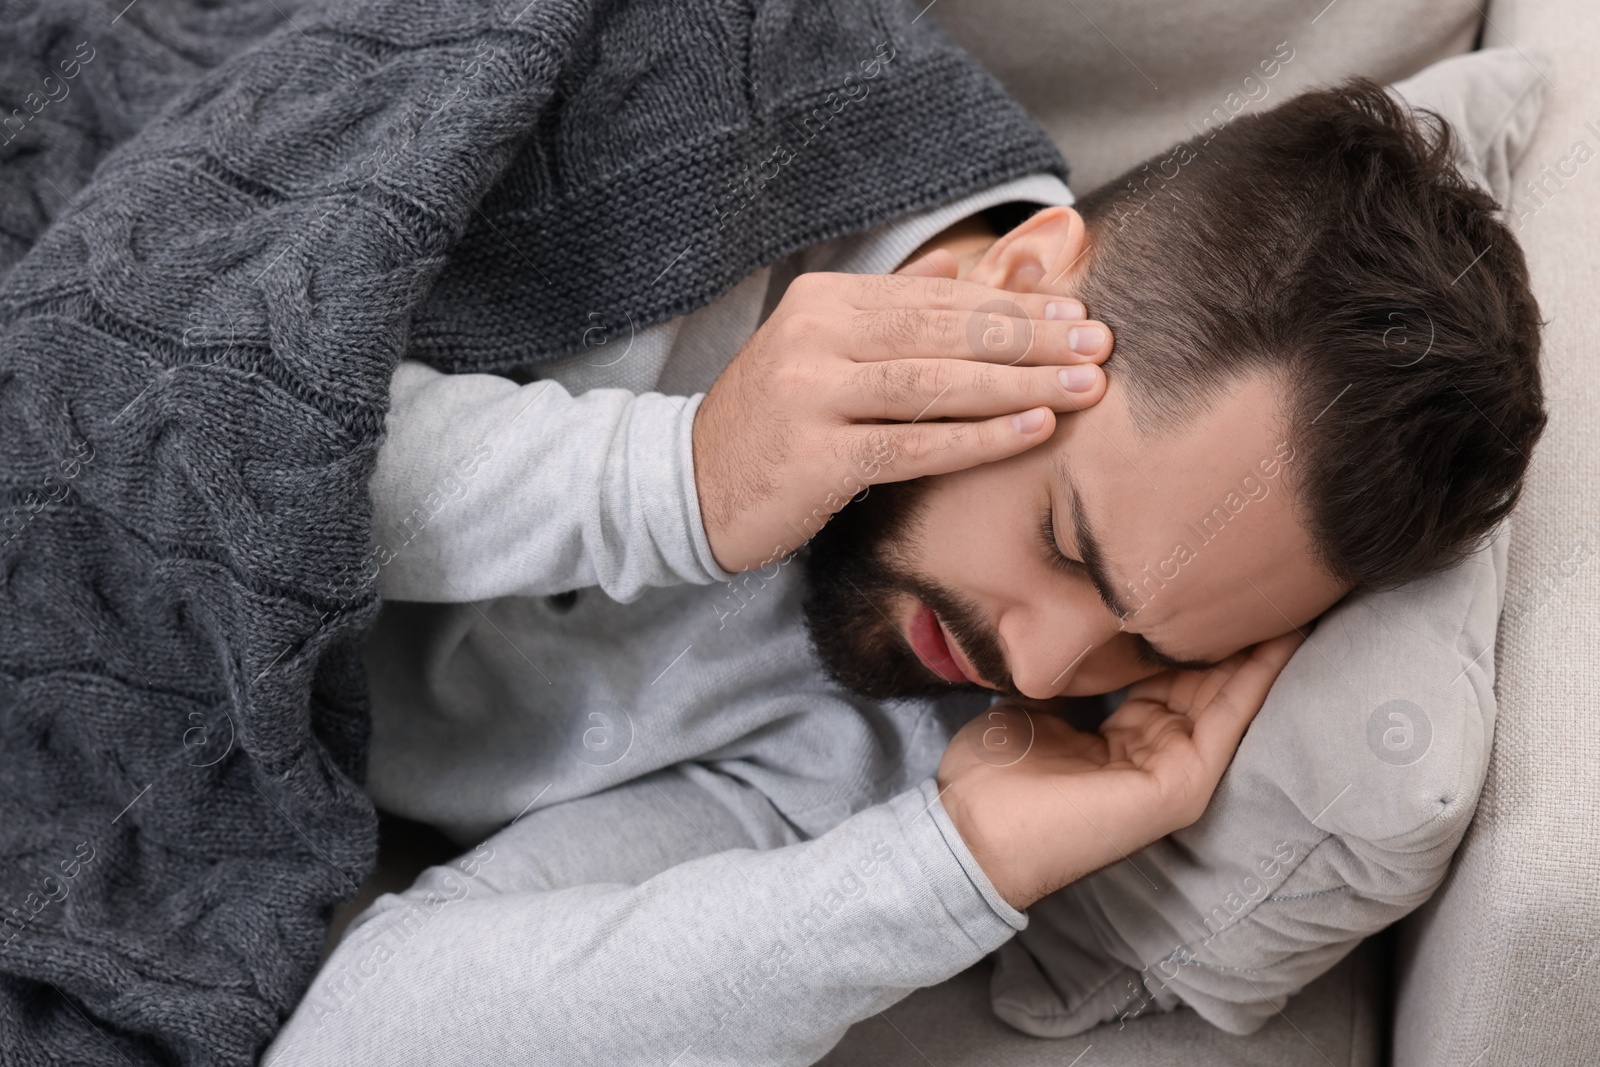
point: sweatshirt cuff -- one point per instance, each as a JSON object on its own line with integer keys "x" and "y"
{"x": 966, "y": 893}
{"x": 689, "y": 493}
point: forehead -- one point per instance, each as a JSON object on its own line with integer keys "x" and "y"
{"x": 1198, "y": 528}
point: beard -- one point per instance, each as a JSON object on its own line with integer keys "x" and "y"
{"x": 856, "y": 569}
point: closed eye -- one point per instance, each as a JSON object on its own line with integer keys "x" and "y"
{"x": 1047, "y": 544}
{"x": 1149, "y": 657}
{"x": 1145, "y": 652}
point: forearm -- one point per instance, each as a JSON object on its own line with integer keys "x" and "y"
{"x": 485, "y": 488}
{"x": 735, "y": 957}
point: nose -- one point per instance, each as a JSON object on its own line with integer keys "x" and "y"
{"x": 1047, "y": 647}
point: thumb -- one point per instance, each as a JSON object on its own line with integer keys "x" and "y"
{"x": 940, "y": 263}
{"x": 1219, "y": 725}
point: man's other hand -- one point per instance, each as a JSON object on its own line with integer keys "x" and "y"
{"x": 1041, "y": 805}
{"x": 845, "y": 383}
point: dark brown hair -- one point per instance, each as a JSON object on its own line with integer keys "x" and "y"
{"x": 1332, "y": 242}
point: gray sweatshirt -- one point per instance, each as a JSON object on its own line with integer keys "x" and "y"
{"x": 497, "y": 698}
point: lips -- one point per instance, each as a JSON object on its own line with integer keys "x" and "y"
{"x": 932, "y": 647}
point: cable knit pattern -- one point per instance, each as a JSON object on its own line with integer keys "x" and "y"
{"x": 195, "y": 348}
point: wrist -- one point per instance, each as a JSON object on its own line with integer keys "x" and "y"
{"x": 704, "y": 472}
{"x": 695, "y": 517}
{"x": 985, "y": 834}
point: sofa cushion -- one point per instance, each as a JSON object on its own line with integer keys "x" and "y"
{"x": 1115, "y": 81}
{"x": 1499, "y": 968}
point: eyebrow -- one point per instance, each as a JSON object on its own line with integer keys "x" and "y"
{"x": 1094, "y": 565}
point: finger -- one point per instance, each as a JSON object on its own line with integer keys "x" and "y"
{"x": 998, "y": 334}
{"x": 919, "y": 449}
{"x": 1157, "y": 688}
{"x": 1181, "y": 693}
{"x": 1143, "y": 729}
{"x": 912, "y": 390}
{"x": 1209, "y": 683}
{"x": 940, "y": 263}
{"x": 1204, "y": 685}
{"x": 1220, "y": 725}
{"x": 901, "y": 290}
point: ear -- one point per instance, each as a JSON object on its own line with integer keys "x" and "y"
{"x": 1038, "y": 256}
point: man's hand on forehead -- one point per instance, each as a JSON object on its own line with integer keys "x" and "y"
{"x": 843, "y": 386}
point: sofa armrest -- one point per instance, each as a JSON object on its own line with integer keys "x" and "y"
{"x": 1500, "y": 967}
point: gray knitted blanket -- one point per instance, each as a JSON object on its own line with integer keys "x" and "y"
{"x": 220, "y": 228}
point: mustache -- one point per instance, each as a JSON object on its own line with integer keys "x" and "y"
{"x": 858, "y": 565}
{"x": 968, "y": 627}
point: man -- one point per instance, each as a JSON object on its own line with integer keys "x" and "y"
{"x": 749, "y": 859}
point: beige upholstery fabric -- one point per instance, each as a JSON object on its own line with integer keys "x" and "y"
{"x": 1503, "y": 966}
{"x": 1336, "y": 1020}
{"x": 1116, "y": 80}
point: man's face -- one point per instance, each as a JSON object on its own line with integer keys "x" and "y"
{"x": 1192, "y": 533}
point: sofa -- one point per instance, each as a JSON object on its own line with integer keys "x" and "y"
{"x": 1500, "y": 966}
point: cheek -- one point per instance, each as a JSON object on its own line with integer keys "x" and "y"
{"x": 965, "y": 516}
{"x": 927, "y": 519}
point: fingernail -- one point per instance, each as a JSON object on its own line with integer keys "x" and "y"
{"x": 1077, "y": 379}
{"x": 1028, "y": 421}
{"x": 1086, "y": 340}
{"x": 1063, "y": 309}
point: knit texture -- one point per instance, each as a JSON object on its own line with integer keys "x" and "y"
{"x": 216, "y": 246}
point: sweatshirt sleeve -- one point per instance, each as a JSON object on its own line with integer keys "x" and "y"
{"x": 735, "y": 956}
{"x": 485, "y": 488}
